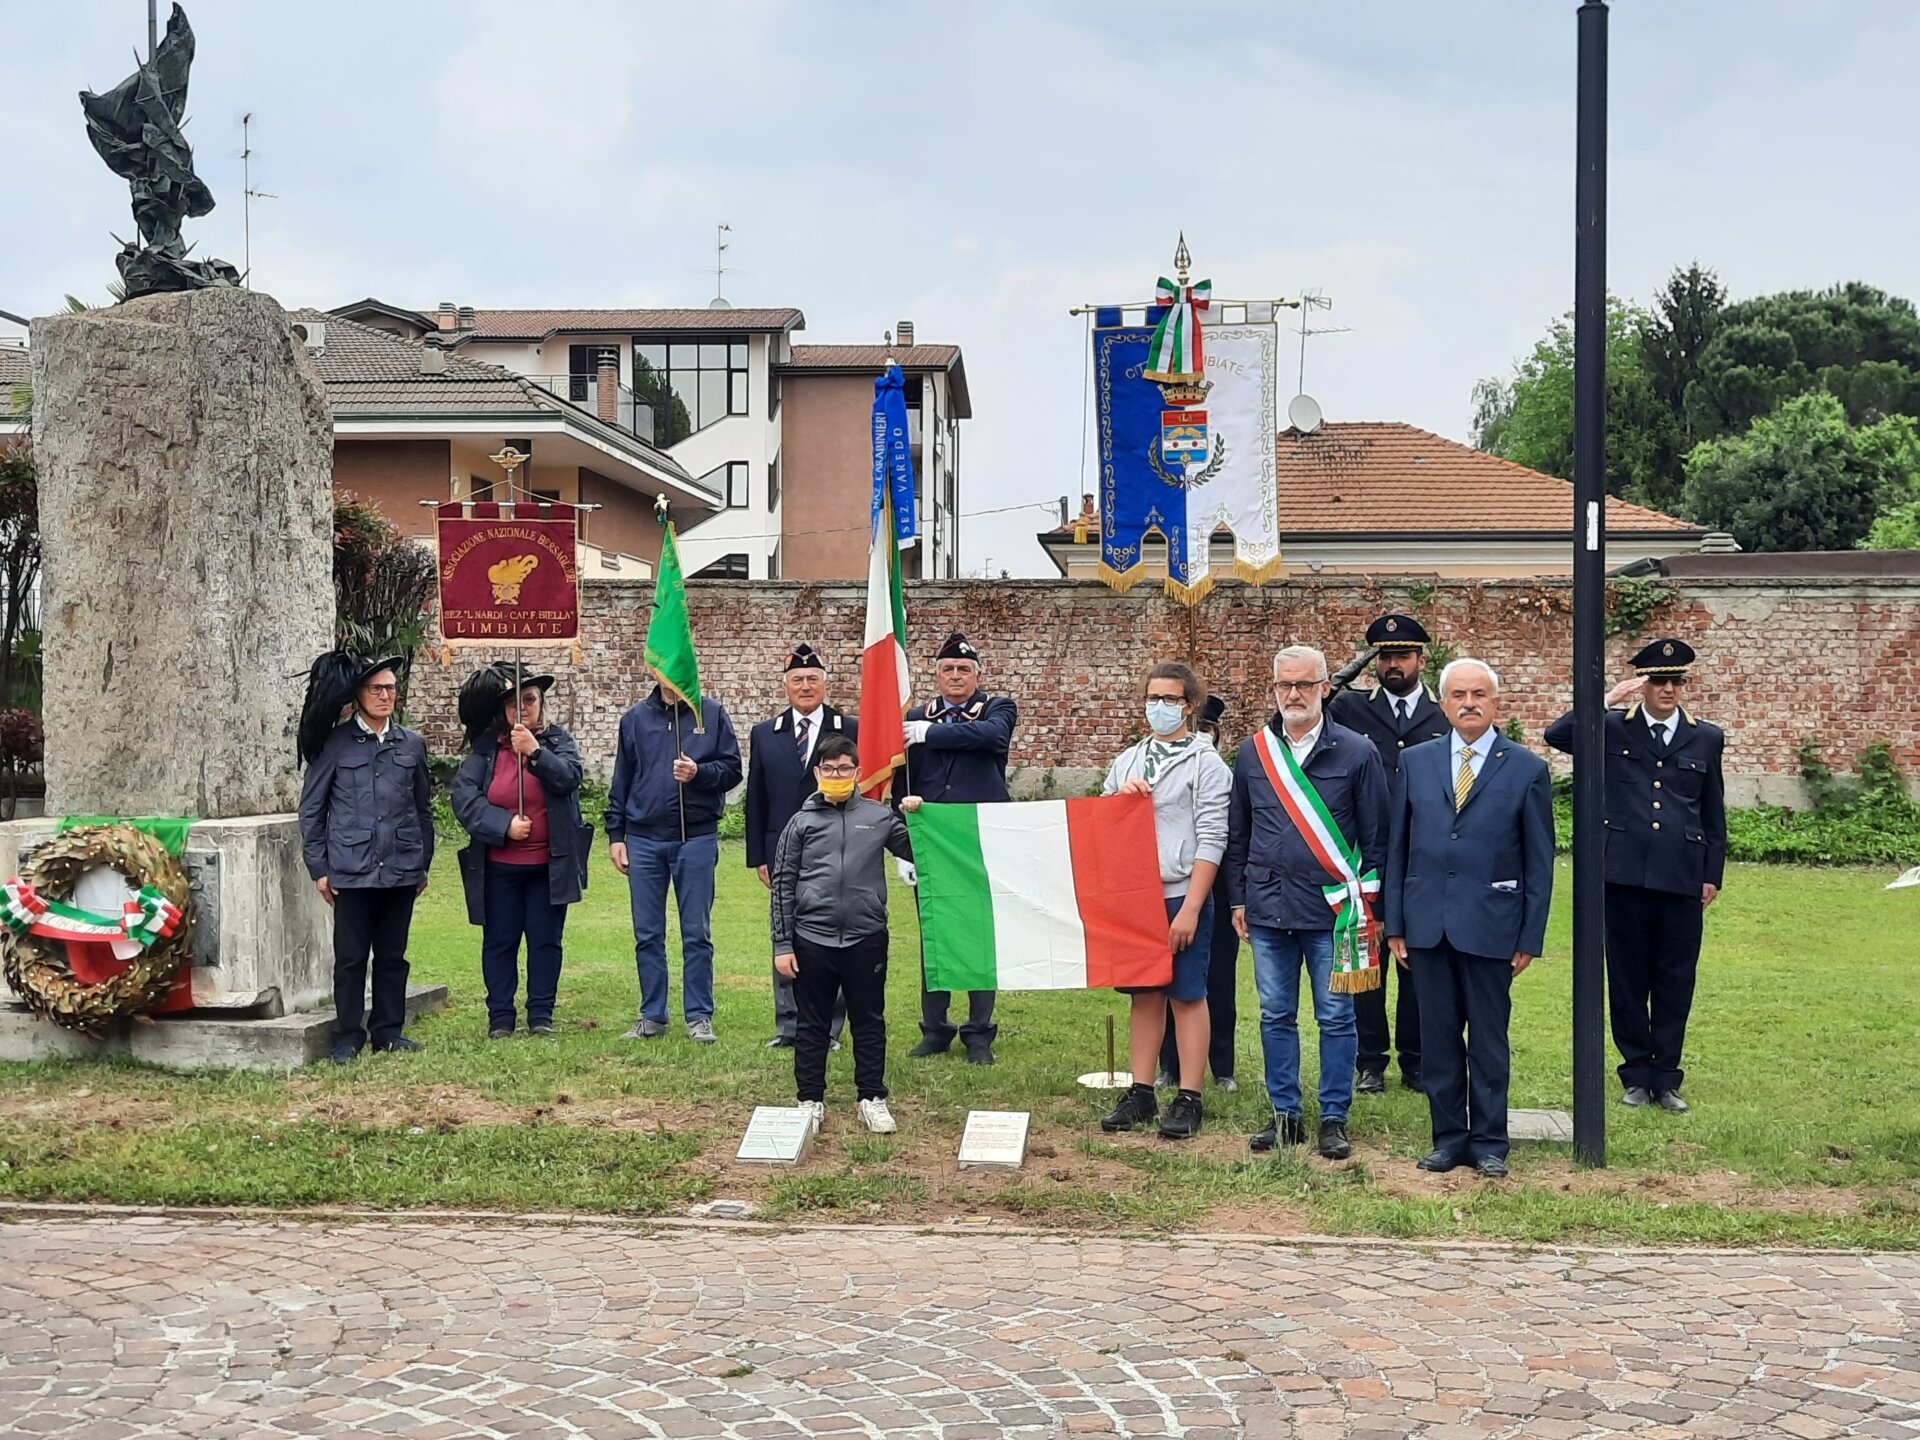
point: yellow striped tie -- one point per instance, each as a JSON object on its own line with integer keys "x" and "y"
{"x": 1464, "y": 781}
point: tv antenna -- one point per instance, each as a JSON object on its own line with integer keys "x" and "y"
{"x": 247, "y": 196}
{"x": 1311, "y": 300}
{"x": 720, "y": 266}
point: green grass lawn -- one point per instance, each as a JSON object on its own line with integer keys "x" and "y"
{"x": 1805, "y": 1128}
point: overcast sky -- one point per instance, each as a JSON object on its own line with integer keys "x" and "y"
{"x": 980, "y": 167}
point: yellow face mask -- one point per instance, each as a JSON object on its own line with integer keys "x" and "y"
{"x": 838, "y": 790}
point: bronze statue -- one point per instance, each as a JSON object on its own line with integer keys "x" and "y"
{"x": 136, "y": 128}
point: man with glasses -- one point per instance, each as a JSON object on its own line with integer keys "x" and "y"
{"x": 1666, "y": 859}
{"x": 1301, "y": 785}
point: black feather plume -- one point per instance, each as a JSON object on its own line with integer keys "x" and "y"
{"x": 482, "y": 694}
{"x": 330, "y": 689}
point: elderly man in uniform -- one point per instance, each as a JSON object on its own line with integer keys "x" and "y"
{"x": 1394, "y": 713}
{"x": 957, "y": 748}
{"x": 779, "y": 779}
{"x": 1469, "y": 883}
{"x": 1666, "y": 858}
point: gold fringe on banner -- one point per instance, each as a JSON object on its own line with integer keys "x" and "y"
{"x": 1122, "y": 580}
{"x": 1354, "y": 982}
{"x": 1190, "y": 594}
{"x": 1259, "y": 574}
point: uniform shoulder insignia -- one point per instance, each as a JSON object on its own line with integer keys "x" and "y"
{"x": 836, "y": 722}
{"x": 780, "y": 721}
{"x": 973, "y": 710}
{"x": 1373, "y": 692}
{"x": 1633, "y": 709}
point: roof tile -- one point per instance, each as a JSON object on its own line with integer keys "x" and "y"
{"x": 538, "y": 324}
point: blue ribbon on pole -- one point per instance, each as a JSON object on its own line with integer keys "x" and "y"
{"x": 893, "y": 456}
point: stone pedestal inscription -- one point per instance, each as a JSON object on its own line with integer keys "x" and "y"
{"x": 994, "y": 1137}
{"x": 777, "y": 1135}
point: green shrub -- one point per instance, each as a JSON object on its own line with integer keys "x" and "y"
{"x": 593, "y": 801}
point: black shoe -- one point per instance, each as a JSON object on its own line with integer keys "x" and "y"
{"x": 1281, "y": 1130}
{"x": 930, "y": 1046}
{"x": 1670, "y": 1100}
{"x": 1491, "y": 1167}
{"x": 1636, "y": 1096}
{"x": 1370, "y": 1082}
{"x": 1411, "y": 1080}
{"x": 785, "y": 1042}
{"x": 1183, "y": 1117}
{"x": 344, "y": 1054}
{"x": 1441, "y": 1161}
{"x": 400, "y": 1043}
{"x": 979, "y": 1051}
{"x": 1334, "y": 1144}
{"x": 1136, "y": 1107}
{"x": 500, "y": 1032}
{"x": 540, "y": 1027}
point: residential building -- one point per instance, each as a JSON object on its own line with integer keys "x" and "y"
{"x": 13, "y": 330}
{"x": 781, "y": 432}
{"x": 1380, "y": 497}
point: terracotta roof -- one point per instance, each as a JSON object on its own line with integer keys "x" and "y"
{"x": 539, "y": 324}
{"x": 868, "y": 359}
{"x": 1384, "y": 477}
{"x": 16, "y": 370}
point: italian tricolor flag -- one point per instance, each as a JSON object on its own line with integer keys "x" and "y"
{"x": 885, "y": 689}
{"x": 1041, "y": 894}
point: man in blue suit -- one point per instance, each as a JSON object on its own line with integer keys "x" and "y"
{"x": 1469, "y": 881}
{"x": 779, "y": 779}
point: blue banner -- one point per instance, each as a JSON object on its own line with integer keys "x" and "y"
{"x": 1135, "y": 498}
{"x": 893, "y": 456}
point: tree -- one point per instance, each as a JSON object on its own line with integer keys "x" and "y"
{"x": 1893, "y": 447}
{"x": 19, "y": 572}
{"x": 1529, "y": 419}
{"x": 384, "y": 584}
{"x": 1686, "y": 316}
{"x": 1800, "y": 478}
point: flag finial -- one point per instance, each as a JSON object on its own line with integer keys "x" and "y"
{"x": 660, "y": 507}
{"x": 1182, "y": 261}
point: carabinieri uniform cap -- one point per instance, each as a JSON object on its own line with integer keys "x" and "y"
{"x": 1664, "y": 657}
{"x": 805, "y": 657}
{"x": 958, "y": 648}
{"x": 1397, "y": 632}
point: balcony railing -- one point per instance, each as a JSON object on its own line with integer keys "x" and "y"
{"x": 584, "y": 391}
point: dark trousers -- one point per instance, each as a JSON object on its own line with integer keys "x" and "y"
{"x": 1223, "y": 979}
{"x": 1653, "y": 955}
{"x": 1465, "y": 1074}
{"x": 935, "y": 1025}
{"x": 517, "y": 906}
{"x": 372, "y": 923}
{"x": 855, "y": 976}
{"x": 786, "y": 1010}
{"x": 1370, "y": 1014}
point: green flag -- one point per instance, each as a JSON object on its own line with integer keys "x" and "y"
{"x": 670, "y": 633}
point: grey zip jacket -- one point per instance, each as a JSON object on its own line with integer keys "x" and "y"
{"x": 1191, "y": 795}
{"x": 829, "y": 877}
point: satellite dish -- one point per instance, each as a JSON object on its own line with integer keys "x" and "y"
{"x": 719, "y": 302}
{"x": 1303, "y": 413}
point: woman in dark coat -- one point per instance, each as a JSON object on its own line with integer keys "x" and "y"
{"x": 518, "y": 795}
{"x": 366, "y": 830}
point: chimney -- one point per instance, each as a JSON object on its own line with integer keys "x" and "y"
{"x": 904, "y": 333}
{"x": 445, "y": 316}
{"x": 467, "y": 322}
{"x": 433, "y": 360}
{"x": 607, "y": 391}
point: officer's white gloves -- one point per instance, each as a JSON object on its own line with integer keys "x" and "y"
{"x": 917, "y": 731}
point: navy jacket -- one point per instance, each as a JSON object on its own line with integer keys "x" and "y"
{"x": 1666, "y": 811}
{"x": 1482, "y": 878}
{"x": 1269, "y": 868}
{"x": 645, "y": 800}
{"x": 1371, "y": 712}
{"x": 366, "y": 809}
{"x": 964, "y": 757}
{"x": 555, "y": 768}
{"x": 777, "y": 783}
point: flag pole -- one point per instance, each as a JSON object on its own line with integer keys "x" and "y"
{"x": 679, "y": 786}
{"x": 519, "y": 760}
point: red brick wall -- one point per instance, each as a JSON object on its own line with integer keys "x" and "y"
{"x": 1780, "y": 661}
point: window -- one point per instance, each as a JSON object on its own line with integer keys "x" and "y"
{"x": 680, "y": 387}
{"x": 773, "y": 392}
{"x": 773, "y": 485}
{"x": 773, "y": 564}
{"x": 480, "y": 487}
{"x": 729, "y": 481}
{"x": 583, "y": 369}
{"x": 727, "y": 567}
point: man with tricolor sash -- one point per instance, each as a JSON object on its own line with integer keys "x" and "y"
{"x": 1308, "y": 838}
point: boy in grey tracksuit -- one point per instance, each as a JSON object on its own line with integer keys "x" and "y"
{"x": 829, "y": 899}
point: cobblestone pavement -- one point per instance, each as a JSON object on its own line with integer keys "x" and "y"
{"x": 234, "y": 1327}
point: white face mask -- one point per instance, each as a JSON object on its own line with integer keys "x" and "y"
{"x": 1166, "y": 716}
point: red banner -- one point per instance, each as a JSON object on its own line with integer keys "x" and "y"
{"x": 508, "y": 573}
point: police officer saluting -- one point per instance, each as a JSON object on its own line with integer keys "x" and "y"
{"x": 1395, "y": 713}
{"x": 1666, "y": 858}
{"x": 957, "y": 749}
{"x": 779, "y": 779}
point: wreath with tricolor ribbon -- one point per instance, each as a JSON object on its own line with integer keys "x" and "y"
{"x": 37, "y": 919}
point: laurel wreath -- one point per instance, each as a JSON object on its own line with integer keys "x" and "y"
{"x": 37, "y": 968}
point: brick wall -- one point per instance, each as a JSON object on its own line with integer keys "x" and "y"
{"x": 1780, "y": 660}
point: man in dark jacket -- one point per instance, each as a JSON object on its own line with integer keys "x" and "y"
{"x": 670, "y": 784}
{"x": 1666, "y": 859}
{"x": 366, "y": 829}
{"x": 1469, "y": 883}
{"x": 957, "y": 754}
{"x": 1394, "y": 712}
{"x": 779, "y": 778}
{"x": 1277, "y": 883}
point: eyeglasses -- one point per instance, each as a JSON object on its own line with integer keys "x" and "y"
{"x": 383, "y": 689}
{"x": 837, "y": 772}
{"x": 1300, "y": 687}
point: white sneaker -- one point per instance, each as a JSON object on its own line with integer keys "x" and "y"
{"x": 876, "y": 1117}
{"x": 817, "y": 1109}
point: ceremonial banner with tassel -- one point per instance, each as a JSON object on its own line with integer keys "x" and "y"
{"x": 509, "y": 573}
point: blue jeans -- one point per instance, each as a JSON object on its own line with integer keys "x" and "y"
{"x": 1277, "y": 956}
{"x": 689, "y": 864}
{"x": 516, "y": 905}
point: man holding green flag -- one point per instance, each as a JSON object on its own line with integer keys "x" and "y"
{"x": 676, "y": 762}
